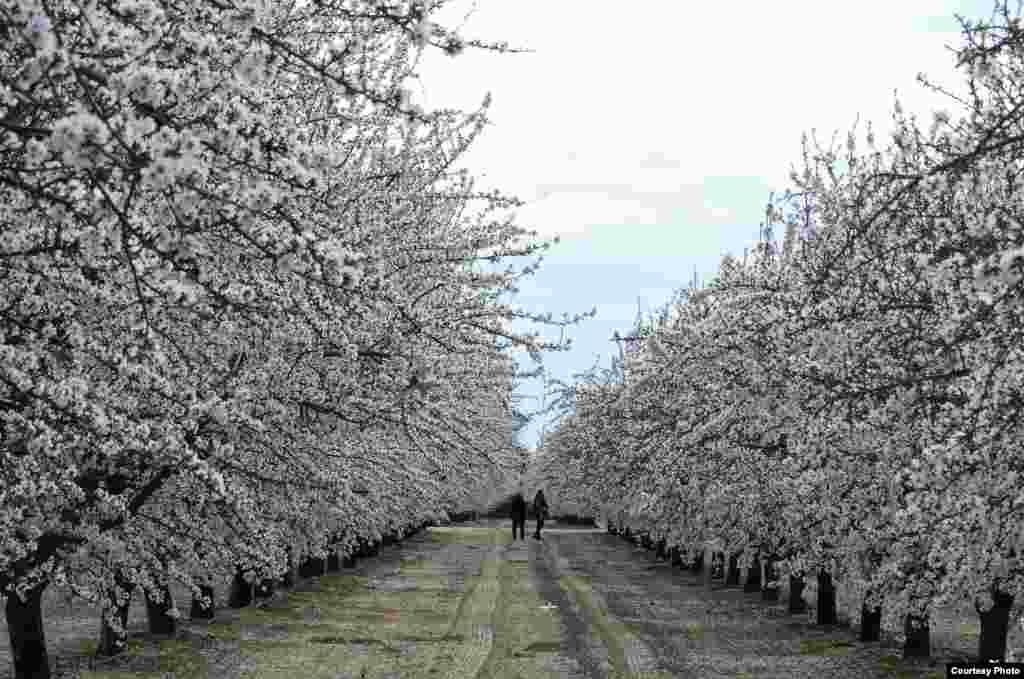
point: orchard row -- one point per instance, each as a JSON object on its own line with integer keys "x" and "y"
{"x": 243, "y": 319}
{"x": 846, "y": 407}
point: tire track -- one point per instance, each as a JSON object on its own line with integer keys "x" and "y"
{"x": 587, "y": 656}
{"x": 647, "y": 649}
{"x": 474, "y": 620}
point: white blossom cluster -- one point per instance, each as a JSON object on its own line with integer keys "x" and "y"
{"x": 242, "y": 322}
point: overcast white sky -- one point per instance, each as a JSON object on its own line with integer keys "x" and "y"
{"x": 649, "y": 134}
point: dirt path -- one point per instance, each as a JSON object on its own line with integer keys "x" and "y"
{"x": 466, "y": 602}
{"x": 581, "y": 653}
{"x": 668, "y": 623}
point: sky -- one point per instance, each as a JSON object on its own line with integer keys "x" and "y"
{"x": 648, "y": 135}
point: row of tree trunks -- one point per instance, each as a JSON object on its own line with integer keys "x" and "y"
{"x": 994, "y": 622}
{"x": 27, "y": 635}
{"x": 757, "y": 580}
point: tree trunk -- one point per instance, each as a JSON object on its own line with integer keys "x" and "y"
{"x": 826, "y": 600}
{"x": 160, "y": 622}
{"x": 918, "y": 633}
{"x": 697, "y": 565}
{"x": 112, "y": 643}
{"x": 662, "y": 549}
{"x": 732, "y": 577}
{"x": 311, "y": 567}
{"x": 753, "y": 583}
{"x": 677, "y": 556}
{"x": 289, "y": 577}
{"x": 27, "y": 635}
{"x": 994, "y": 627}
{"x": 241, "y": 591}
{"x": 349, "y": 561}
{"x": 201, "y": 610}
{"x": 716, "y": 569}
{"x": 333, "y": 561}
{"x": 770, "y": 592}
{"x": 796, "y": 595}
{"x": 870, "y": 623}
{"x": 265, "y": 588}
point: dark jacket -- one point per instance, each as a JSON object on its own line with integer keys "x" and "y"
{"x": 540, "y": 504}
{"x": 519, "y": 507}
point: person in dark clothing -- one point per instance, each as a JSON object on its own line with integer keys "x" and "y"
{"x": 519, "y": 516}
{"x": 540, "y": 510}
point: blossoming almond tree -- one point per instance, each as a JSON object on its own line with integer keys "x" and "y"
{"x": 197, "y": 265}
{"x": 896, "y": 336}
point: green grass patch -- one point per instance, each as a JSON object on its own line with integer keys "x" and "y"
{"x": 526, "y": 632}
{"x": 470, "y": 536}
{"x": 694, "y": 631}
{"x": 614, "y": 633}
{"x": 890, "y": 663}
{"x": 970, "y": 630}
{"x": 176, "y": 656}
{"x": 498, "y": 628}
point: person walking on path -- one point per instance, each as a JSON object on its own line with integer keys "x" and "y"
{"x": 540, "y": 510}
{"x": 519, "y": 516}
